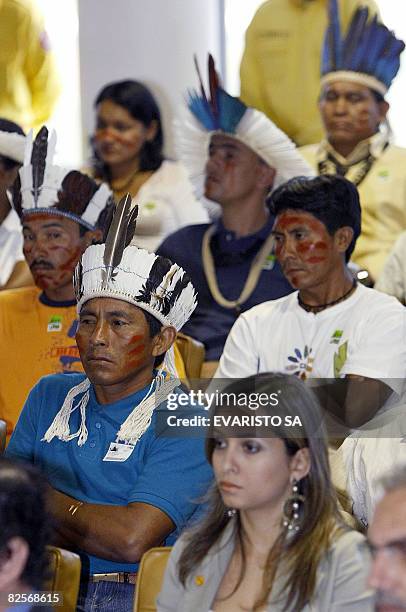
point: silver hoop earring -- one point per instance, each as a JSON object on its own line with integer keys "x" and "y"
{"x": 291, "y": 509}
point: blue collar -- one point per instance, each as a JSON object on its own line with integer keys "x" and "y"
{"x": 48, "y": 302}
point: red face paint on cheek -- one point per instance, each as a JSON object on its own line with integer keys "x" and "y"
{"x": 313, "y": 252}
{"x": 135, "y": 353}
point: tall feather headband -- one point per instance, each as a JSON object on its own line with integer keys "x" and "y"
{"x": 122, "y": 271}
{"x": 44, "y": 187}
{"x": 217, "y": 111}
{"x": 368, "y": 54}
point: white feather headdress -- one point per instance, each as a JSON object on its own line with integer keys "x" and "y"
{"x": 45, "y": 187}
{"x": 12, "y": 145}
{"x": 220, "y": 113}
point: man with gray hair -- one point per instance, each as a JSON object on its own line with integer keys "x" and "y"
{"x": 387, "y": 537}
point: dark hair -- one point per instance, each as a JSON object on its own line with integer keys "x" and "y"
{"x": 332, "y": 199}
{"x": 23, "y": 514}
{"x": 11, "y": 128}
{"x": 137, "y": 99}
{"x": 320, "y": 522}
{"x": 154, "y": 329}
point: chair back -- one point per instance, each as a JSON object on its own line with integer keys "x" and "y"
{"x": 150, "y": 578}
{"x": 192, "y": 352}
{"x": 3, "y": 431}
{"x": 64, "y": 577}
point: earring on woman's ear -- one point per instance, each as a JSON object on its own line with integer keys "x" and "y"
{"x": 291, "y": 509}
{"x": 231, "y": 512}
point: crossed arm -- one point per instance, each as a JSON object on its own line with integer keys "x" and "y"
{"x": 118, "y": 533}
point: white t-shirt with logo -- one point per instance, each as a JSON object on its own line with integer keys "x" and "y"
{"x": 364, "y": 335}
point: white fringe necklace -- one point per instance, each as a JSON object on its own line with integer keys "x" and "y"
{"x": 130, "y": 431}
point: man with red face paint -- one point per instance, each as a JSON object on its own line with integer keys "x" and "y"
{"x": 61, "y": 216}
{"x": 357, "y": 72}
{"x": 121, "y": 481}
{"x": 331, "y": 327}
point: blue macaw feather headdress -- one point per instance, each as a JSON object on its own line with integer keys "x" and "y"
{"x": 368, "y": 54}
{"x": 217, "y": 111}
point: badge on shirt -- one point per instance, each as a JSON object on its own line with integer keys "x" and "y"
{"x": 55, "y": 324}
{"x": 269, "y": 262}
{"x": 118, "y": 452}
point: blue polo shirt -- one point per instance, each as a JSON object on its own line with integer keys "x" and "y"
{"x": 210, "y": 323}
{"x": 169, "y": 473}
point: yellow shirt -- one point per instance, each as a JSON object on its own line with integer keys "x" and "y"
{"x": 280, "y": 68}
{"x": 36, "y": 339}
{"x": 382, "y": 195}
{"x": 29, "y": 85}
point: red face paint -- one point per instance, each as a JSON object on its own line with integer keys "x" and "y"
{"x": 52, "y": 248}
{"x": 121, "y": 352}
{"x": 303, "y": 244}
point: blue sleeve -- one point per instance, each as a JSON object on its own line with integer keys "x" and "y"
{"x": 176, "y": 474}
{"x": 167, "y": 248}
{"x": 23, "y": 439}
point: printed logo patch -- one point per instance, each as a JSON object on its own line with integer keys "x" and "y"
{"x": 336, "y": 337}
{"x": 269, "y": 262}
{"x": 301, "y": 363}
{"x": 340, "y": 358}
{"x": 55, "y": 324}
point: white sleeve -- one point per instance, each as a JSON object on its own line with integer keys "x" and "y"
{"x": 353, "y": 458}
{"x": 393, "y": 276}
{"x": 380, "y": 352}
{"x": 240, "y": 356}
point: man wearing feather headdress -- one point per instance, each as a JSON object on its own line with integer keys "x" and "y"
{"x": 62, "y": 212}
{"x": 120, "y": 482}
{"x": 235, "y": 156}
{"x": 357, "y": 71}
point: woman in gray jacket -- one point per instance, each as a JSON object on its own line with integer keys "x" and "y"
{"x": 272, "y": 539}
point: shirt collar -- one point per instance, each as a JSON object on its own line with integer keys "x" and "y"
{"x": 48, "y": 302}
{"x": 230, "y": 235}
{"x": 373, "y": 145}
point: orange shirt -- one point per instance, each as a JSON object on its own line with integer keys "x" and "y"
{"x": 36, "y": 338}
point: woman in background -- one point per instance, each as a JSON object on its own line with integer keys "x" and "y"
{"x": 128, "y": 151}
{"x": 273, "y": 539}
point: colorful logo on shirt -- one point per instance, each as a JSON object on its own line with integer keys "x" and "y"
{"x": 336, "y": 337}
{"x": 269, "y": 262}
{"x": 340, "y": 358}
{"x": 149, "y": 207}
{"x": 73, "y": 328}
{"x": 55, "y": 324}
{"x": 301, "y": 363}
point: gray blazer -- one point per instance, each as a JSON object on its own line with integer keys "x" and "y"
{"x": 341, "y": 579}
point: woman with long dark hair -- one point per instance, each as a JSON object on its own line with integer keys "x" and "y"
{"x": 128, "y": 155}
{"x": 273, "y": 538}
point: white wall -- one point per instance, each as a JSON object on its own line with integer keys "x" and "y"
{"x": 61, "y": 22}
{"x": 149, "y": 40}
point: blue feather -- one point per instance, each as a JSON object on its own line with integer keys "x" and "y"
{"x": 354, "y": 35}
{"x": 221, "y": 112}
{"x": 334, "y": 35}
{"x": 231, "y": 111}
{"x": 368, "y": 47}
